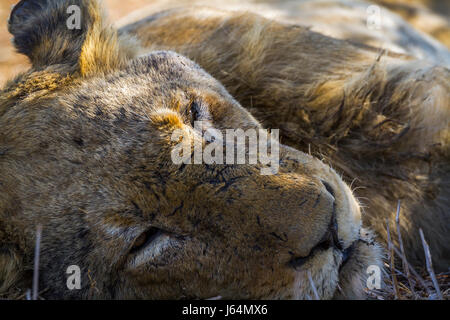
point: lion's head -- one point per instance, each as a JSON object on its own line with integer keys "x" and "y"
{"x": 86, "y": 152}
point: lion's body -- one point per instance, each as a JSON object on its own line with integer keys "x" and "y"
{"x": 359, "y": 21}
{"x": 85, "y": 151}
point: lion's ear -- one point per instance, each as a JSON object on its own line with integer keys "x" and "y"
{"x": 72, "y": 33}
{"x": 11, "y": 268}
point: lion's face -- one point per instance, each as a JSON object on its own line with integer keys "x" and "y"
{"x": 92, "y": 164}
{"x": 91, "y": 161}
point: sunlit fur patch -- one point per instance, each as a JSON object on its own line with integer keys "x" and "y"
{"x": 166, "y": 119}
{"x": 103, "y": 50}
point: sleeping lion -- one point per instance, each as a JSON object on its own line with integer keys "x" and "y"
{"x": 86, "y": 156}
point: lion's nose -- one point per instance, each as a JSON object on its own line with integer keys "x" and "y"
{"x": 330, "y": 238}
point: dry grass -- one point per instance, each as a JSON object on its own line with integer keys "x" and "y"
{"x": 422, "y": 287}
{"x": 407, "y": 283}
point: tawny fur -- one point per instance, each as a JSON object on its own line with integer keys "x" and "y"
{"x": 431, "y": 17}
{"x": 359, "y": 21}
{"x": 383, "y": 122}
{"x": 85, "y": 152}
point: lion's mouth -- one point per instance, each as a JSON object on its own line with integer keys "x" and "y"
{"x": 346, "y": 254}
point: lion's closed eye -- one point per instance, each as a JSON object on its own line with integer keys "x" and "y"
{"x": 198, "y": 111}
{"x": 154, "y": 245}
{"x": 145, "y": 238}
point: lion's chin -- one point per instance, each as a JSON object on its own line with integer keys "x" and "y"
{"x": 355, "y": 271}
{"x": 332, "y": 274}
